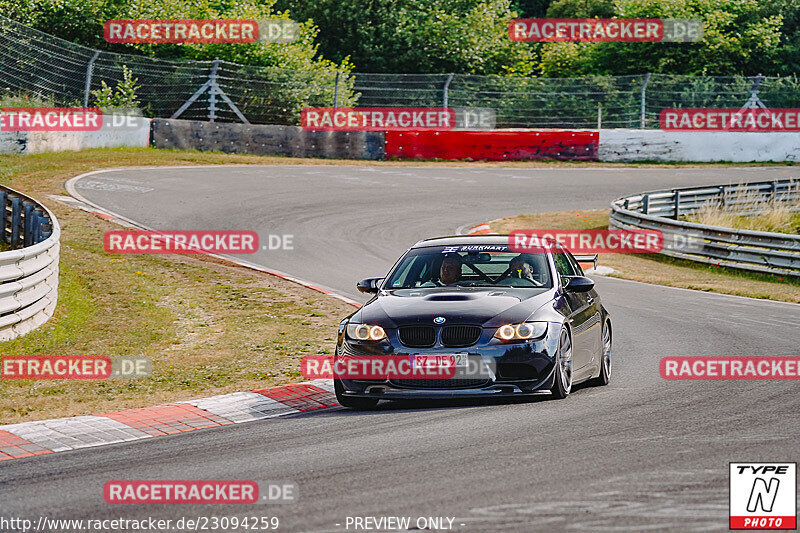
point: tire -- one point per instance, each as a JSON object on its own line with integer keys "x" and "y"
{"x": 605, "y": 360}
{"x": 357, "y": 404}
{"x": 562, "y": 374}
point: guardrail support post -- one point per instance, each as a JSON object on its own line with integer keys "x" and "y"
{"x": 44, "y": 234}
{"x": 27, "y": 220}
{"x": 677, "y": 204}
{"x": 3, "y": 200}
{"x": 38, "y": 215}
{"x": 16, "y": 220}
{"x": 645, "y": 203}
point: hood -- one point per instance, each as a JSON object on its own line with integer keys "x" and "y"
{"x": 488, "y": 306}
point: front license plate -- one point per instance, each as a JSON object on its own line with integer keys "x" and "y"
{"x": 440, "y": 360}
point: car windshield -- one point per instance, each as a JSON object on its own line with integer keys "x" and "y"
{"x": 470, "y": 266}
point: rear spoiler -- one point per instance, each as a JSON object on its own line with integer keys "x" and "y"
{"x": 586, "y": 260}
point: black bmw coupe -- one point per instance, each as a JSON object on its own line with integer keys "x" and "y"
{"x": 512, "y": 324}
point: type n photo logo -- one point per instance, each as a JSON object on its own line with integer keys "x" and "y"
{"x": 763, "y": 496}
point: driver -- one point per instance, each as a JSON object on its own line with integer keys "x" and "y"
{"x": 521, "y": 269}
{"x": 450, "y": 271}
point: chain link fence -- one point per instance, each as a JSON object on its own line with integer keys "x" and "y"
{"x": 38, "y": 65}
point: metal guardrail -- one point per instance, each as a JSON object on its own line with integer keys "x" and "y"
{"x": 29, "y": 271}
{"x": 761, "y": 251}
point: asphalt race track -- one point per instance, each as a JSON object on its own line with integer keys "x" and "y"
{"x": 642, "y": 454}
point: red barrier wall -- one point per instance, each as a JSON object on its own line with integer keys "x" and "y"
{"x": 496, "y": 145}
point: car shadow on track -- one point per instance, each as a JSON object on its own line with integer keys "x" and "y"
{"x": 449, "y": 403}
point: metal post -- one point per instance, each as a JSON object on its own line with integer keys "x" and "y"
{"x": 89, "y": 70}
{"x": 677, "y": 204}
{"x": 212, "y": 93}
{"x": 38, "y": 215}
{"x": 336, "y": 92}
{"x": 27, "y": 233}
{"x": 754, "y": 102}
{"x": 16, "y": 211}
{"x": 445, "y": 92}
{"x": 599, "y": 116}
{"x": 44, "y": 233}
{"x": 644, "y": 86}
{"x": 213, "y": 90}
{"x": 645, "y": 204}
{"x": 3, "y": 200}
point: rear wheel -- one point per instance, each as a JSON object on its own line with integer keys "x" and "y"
{"x": 605, "y": 361}
{"x": 358, "y": 404}
{"x": 562, "y": 375}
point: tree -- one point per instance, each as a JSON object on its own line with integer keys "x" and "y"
{"x": 740, "y": 37}
{"x": 461, "y": 36}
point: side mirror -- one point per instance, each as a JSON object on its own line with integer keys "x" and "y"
{"x": 369, "y": 285}
{"x": 579, "y": 284}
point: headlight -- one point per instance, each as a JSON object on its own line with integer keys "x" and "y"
{"x": 525, "y": 331}
{"x": 365, "y": 332}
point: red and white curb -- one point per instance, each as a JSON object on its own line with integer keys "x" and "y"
{"x": 63, "y": 434}
{"x": 41, "y": 437}
{"x": 481, "y": 229}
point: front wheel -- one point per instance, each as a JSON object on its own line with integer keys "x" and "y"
{"x": 562, "y": 375}
{"x": 358, "y": 404}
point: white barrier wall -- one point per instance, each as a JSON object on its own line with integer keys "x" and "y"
{"x": 28, "y": 280}
{"x": 656, "y": 145}
{"x": 109, "y": 136}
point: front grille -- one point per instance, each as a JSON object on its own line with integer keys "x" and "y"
{"x": 418, "y": 336}
{"x": 440, "y": 383}
{"x": 460, "y": 336}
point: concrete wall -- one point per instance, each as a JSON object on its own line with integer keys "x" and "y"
{"x": 291, "y": 141}
{"x": 656, "y": 145}
{"x": 109, "y": 136}
{"x": 614, "y": 145}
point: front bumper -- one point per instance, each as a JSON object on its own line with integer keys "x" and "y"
{"x": 512, "y": 369}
